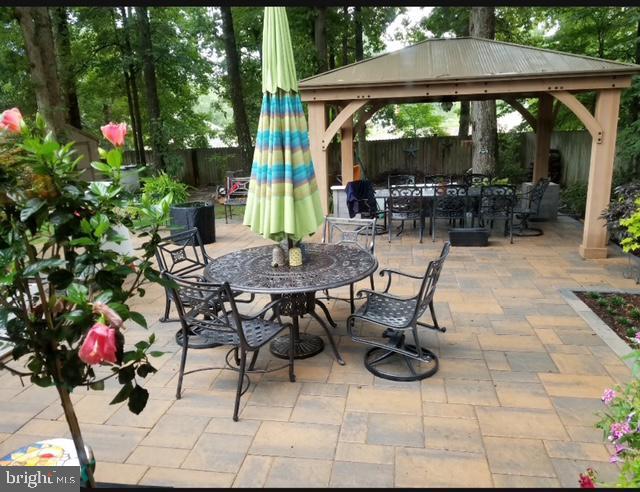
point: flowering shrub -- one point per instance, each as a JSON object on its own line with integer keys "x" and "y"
{"x": 620, "y": 425}
{"x": 63, "y": 296}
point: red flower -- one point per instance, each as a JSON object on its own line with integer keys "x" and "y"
{"x": 11, "y": 120}
{"x": 99, "y": 345}
{"x": 586, "y": 482}
{"x": 115, "y": 133}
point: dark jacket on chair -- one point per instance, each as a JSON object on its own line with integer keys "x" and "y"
{"x": 361, "y": 198}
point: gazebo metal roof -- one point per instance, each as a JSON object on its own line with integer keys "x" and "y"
{"x": 465, "y": 59}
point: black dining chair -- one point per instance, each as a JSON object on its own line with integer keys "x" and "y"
{"x": 359, "y": 233}
{"x": 405, "y": 203}
{"x": 212, "y": 312}
{"x": 181, "y": 254}
{"x": 529, "y": 207}
{"x": 397, "y": 359}
{"x": 450, "y": 202}
{"x": 498, "y": 202}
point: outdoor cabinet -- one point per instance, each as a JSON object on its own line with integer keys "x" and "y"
{"x": 201, "y": 215}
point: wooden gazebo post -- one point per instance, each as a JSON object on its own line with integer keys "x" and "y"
{"x": 595, "y": 235}
{"x": 317, "y": 126}
{"x": 544, "y": 126}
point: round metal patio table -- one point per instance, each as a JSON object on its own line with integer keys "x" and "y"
{"x": 325, "y": 266}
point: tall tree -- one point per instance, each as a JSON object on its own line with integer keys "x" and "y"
{"x": 66, "y": 68}
{"x": 38, "y": 37}
{"x": 359, "y": 50}
{"x": 482, "y": 24}
{"x": 320, "y": 37}
{"x": 235, "y": 86}
{"x": 131, "y": 85}
{"x": 158, "y": 141}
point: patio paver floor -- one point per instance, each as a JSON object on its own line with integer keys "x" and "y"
{"x": 512, "y": 405}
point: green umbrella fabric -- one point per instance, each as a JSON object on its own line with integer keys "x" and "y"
{"x": 283, "y": 201}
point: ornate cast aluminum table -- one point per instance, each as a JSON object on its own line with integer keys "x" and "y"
{"x": 326, "y": 266}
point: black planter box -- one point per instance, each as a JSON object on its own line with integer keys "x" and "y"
{"x": 201, "y": 215}
{"x": 471, "y": 236}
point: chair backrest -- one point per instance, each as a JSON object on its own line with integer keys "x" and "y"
{"x": 206, "y": 305}
{"x": 430, "y": 281}
{"x": 536, "y": 194}
{"x": 238, "y": 187}
{"x": 401, "y": 180}
{"x": 437, "y": 179}
{"x": 450, "y": 201}
{"x": 405, "y": 200}
{"x": 357, "y": 232}
{"x": 181, "y": 253}
{"x": 477, "y": 179}
{"x": 497, "y": 200}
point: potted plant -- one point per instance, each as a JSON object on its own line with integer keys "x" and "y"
{"x": 63, "y": 297}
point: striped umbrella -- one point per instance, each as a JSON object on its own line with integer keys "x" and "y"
{"x": 283, "y": 200}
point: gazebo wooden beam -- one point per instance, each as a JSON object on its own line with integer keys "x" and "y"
{"x": 366, "y": 114}
{"x": 500, "y": 88}
{"x": 342, "y": 117}
{"x": 583, "y": 114}
{"x": 526, "y": 114}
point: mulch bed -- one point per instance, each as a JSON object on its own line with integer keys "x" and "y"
{"x": 621, "y": 312}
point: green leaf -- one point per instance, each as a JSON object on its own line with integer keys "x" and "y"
{"x": 126, "y": 375}
{"x": 138, "y": 318}
{"x": 138, "y": 399}
{"x": 77, "y": 293}
{"x": 60, "y": 279}
{"x": 156, "y": 353}
{"x": 100, "y": 224}
{"x": 145, "y": 369}
{"x": 97, "y": 386}
{"x": 41, "y": 265}
{"x": 85, "y": 226}
{"x": 102, "y": 167}
{"x": 142, "y": 345}
{"x": 114, "y": 158}
{"x": 42, "y": 381}
{"x": 123, "y": 394}
{"x": 32, "y": 206}
{"x": 82, "y": 241}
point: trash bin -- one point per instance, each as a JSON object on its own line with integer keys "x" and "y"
{"x": 185, "y": 216}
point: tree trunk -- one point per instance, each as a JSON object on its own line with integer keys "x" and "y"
{"x": 235, "y": 87}
{"x": 151, "y": 85}
{"x": 66, "y": 69}
{"x": 635, "y": 109}
{"x": 482, "y": 24}
{"x": 38, "y": 37}
{"x": 362, "y": 129}
{"x": 465, "y": 119}
{"x": 132, "y": 88}
{"x": 345, "y": 43}
{"x": 320, "y": 37}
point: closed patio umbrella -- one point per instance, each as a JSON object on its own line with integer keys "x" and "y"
{"x": 283, "y": 200}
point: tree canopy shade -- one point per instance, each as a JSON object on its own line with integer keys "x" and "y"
{"x": 481, "y": 69}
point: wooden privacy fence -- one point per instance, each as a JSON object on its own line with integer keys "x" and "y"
{"x": 428, "y": 155}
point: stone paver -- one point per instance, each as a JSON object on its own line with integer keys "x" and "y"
{"x": 513, "y": 404}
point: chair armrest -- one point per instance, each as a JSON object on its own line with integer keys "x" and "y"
{"x": 369, "y": 292}
{"x": 275, "y": 305}
{"x": 390, "y": 271}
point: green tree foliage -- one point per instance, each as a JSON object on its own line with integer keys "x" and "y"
{"x": 412, "y": 120}
{"x": 15, "y": 84}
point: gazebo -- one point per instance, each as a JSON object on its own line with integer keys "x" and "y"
{"x": 476, "y": 69}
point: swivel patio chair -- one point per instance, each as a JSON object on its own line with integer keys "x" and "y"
{"x": 498, "y": 202}
{"x": 450, "y": 202}
{"x": 405, "y": 203}
{"x": 212, "y": 312}
{"x": 398, "y": 360}
{"x": 359, "y": 233}
{"x": 531, "y": 208}
{"x": 183, "y": 254}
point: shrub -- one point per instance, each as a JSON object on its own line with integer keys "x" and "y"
{"x": 620, "y": 424}
{"x": 574, "y": 199}
{"x": 157, "y": 187}
{"x": 623, "y": 206}
{"x": 631, "y": 240}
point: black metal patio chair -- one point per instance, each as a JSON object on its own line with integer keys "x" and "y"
{"x": 498, "y": 202}
{"x": 398, "y": 360}
{"x": 183, "y": 254}
{"x": 450, "y": 202}
{"x": 213, "y": 314}
{"x": 529, "y": 208}
{"x": 359, "y": 233}
{"x": 405, "y": 203}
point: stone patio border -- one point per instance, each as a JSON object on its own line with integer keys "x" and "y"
{"x": 609, "y": 336}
